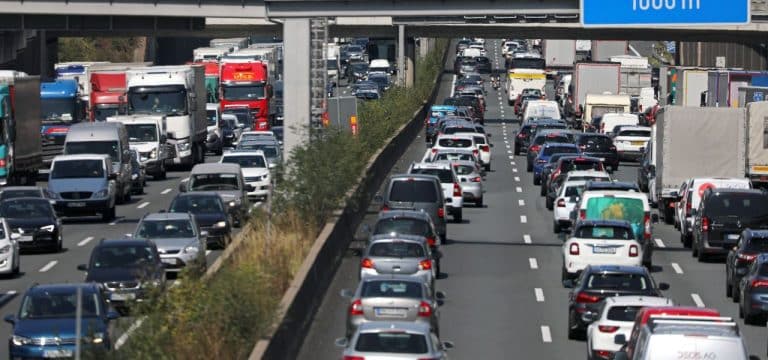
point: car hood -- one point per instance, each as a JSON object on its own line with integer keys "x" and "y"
{"x": 14, "y": 223}
{"x": 254, "y": 171}
{"x": 115, "y": 274}
{"x": 143, "y": 147}
{"x": 208, "y": 219}
{"x": 77, "y": 184}
{"x": 173, "y": 243}
{"x": 62, "y": 328}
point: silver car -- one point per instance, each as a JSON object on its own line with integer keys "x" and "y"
{"x": 471, "y": 181}
{"x": 387, "y": 298}
{"x": 394, "y": 341}
{"x": 399, "y": 255}
{"x": 179, "y": 241}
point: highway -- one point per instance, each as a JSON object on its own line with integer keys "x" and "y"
{"x": 502, "y": 265}
{"x": 80, "y": 236}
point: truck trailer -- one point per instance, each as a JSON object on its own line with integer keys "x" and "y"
{"x": 21, "y": 155}
{"x": 559, "y": 55}
{"x": 591, "y": 78}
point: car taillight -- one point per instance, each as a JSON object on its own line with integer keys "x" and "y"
{"x": 431, "y": 241}
{"x": 476, "y": 179}
{"x": 574, "y": 249}
{"x": 474, "y": 151}
{"x": 2, "y": 163}
{"x": 586, "y": 298}
{"x": 350, "y": 357}
{"x": 603, "y": 354}
{"x": 385, "y": 208}
{"x": 366, "y": 263}
{"x": 758, "y": 283}
{"x": 633, "y": 251}
{"x": 534, "y": 148}
{"x": 425, "y": 265}
{"x": 561, "y": 203}
{"x": 607, "y": 329}
{"x": 704, "y": 223}
{"x": 434, "y": 151}
{"x": 687, "y": 208}
{"x": 582, "y": 214}
{"x": 456, "y": 189}
{"x": 485, "y": 148}
{"x": 647, "y": 222}
{"x": 441, "y": 213}
{"x": 747, "y": 257}
{"x": 425, "y": 310}
{"x": 356, "y": 307}
{"x": 521, "y": 136}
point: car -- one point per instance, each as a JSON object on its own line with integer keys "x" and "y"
{"x": 521, "y": 100}
{"x": 484, "y": 65}
{"x": 436, "y": 112}
{"x": 751, "y": 244}
{"x": 127, "y": 268}
{"x": 471, "y": 181}
{"x": 256, "y": 171}
{"x": 10, "y": 192}
{"x": 392, "y": 297}
{"x": 45, "y": 325}
{"x": 546, "y": 172}
{"x": 562, "y": 168}
{"x": 400, "y": 254}
{"x": 601, "y": 281}
{"x": 178, "y": 237}
{"x": 210, "y": 214}
{"x": 419, "y": 193}
{"x": 721, "y": 217}
{"x": 230, "y": 129}
{"x": 546, "y": 136}
{"x": 542, "y": 157}
{"x": 270, "y": 147}
{"x": 225, "y": 180}
{"x": 473, "y": 102}
{"x": 35, "y": 222}
{"x": 357, "y": 71}
{"x": 484, "y": 149}
{"x": 138, "y": 174}
{"x": 753, "y": 287}
{"x": 631, "y": 140}
{"x": 10, "y": 254}
{"x": 455, "y": 141}
{"x": 616, "y": 316}
{"x": 689, "y": 198}
{"x": 644, "y": 315}
{"x": 394, "y": 340}
{"x": 599, "y": 146}
{"x": 82, "y": 185}
{"x": 646, "y": 170}
{"x": 449, "y": 183}
{"x": 380, "y": 79}
{"x": 610, "y": 120}
{"x": 540, "y": 108}
{"x": 564, "y": 203}
{"x": 528, "y": 131}
{"x": 600, "y": 242}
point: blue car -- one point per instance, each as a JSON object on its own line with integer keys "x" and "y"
{"x": 547, "y": 150}
{"x": 44, "y": 327}
{"x": 436, "y": 112}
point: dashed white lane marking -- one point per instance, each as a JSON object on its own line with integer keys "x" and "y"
{"x": 534, "y": 263}
{"x": 517, "y": 179}
{"x": 8, "y": 294}
{"x": 523, "y": 219}
{"x": 506, "y": 141}
{"x": 85, "y": 241}
{"x": 166, "y": 191}
{"x": 511, "y": 157}
{"x": 509, "y": 151}
{"x": 453, "y": 85}
{"x": 114, "y": 222}
{"x": 521, "y": 202}
{"x": 123, "y": 338}
{"x": 514, "y": 170}
{"x": 546, "y": 335}
{"x": 519, "y": 189}
{"x": 508, "y": 146}
{"x": 513, "y": 163}
{"x": 697, "y": 299}
{"x": 527, "y": 239}
{"x": 207, "y": 252}
{"x": 143, "y": 205}
{"x": 659, "y": 243}
{"x": 539, "y": 294}
{"x": 49, "y": 266}
{"x": 677, "y": 268}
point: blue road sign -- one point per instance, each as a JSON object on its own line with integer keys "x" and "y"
{"x": 637, "y": 13}
{"x": 758, "y": 96}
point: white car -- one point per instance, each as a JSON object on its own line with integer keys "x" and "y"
{"x": 564, "y": 204}
{"x": 256, "y": 135}
{"x": 690, "y": 196}
{"x": 616, "y": 317}
{"x": 255, "y": 169}
{"x": 631, "y": 141}
{"x": 10, "y": 261}
{"x": 588, "y": 175}
{"x": 609, "y": 121}
{"x": 483, "y": 149}
{"x": 600, "y": 242}
{"x": 459, "y": 141}
{"x": 452, "y": 191}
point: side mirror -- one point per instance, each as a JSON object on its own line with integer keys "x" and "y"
{"x": 447, "y": 345}
{"x": 663, "y": 286}
{"x": 620, "y": 339}
{"x": 112, "y": 176}
{"x": 10, "y": 318}
{"x": 183, "y": 186}
{"x": 341, "y": 342}
{"x": 113, "y": 315}
{"x": 15, "y": 236}
{"x": 82, "y": 267}
{"x": 568, "y": 283}
{"x": 655, "y": 218}
{"x": 346, "y": 293}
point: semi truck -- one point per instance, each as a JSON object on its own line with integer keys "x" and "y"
{"x": 694, "y": 142}
{"x": 559, "y": 55}
{"x": 60, "y": 107}
{"x": 212, "y": 80}
{"x": 520, "y": 79}
{"x": 106, "y": 87}
{"x": 635, "y": 74}
{"x": 757, "y": 149}
{"x": 210, "y": 53}
{"x": 21, "y": 155}
{"x": 147, "y": 134}
{"x": 602, "y": 50}
{"x": 177, "y": 92}
{"x": 590, "y": 78}
{"x": 248, "y": 83}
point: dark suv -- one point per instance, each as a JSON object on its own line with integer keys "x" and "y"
{"x": 721, "y": 217}
{"x": 416, "y": 192}
{"x": 599, "y": 146}
{"x": 751, "y": 244}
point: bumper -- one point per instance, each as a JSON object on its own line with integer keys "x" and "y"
{"x": 261, "y": 190}
{"x": 40, "y": 240}
{"x": 629, "y": 153}
{"x": 215, "y": 235}
{"x": 41, "y": 352}
{"x": 6, "y": 263}
{"x": 455, "y": 204}
{"x": 81, "y": 207}
{"x": 472, "y": 192}
{"x": 717, "y": 246}
{"x": 426, "y": 276}
{"x": 575, "y": 264}
{"x": 183, "y": 157}
{"x": 610, "y": 159}
{"x": 177, "y": 262}
{"x": 152, "y": 166}
{"x": 758, "y": 304}
{"x": 602, "y": 342}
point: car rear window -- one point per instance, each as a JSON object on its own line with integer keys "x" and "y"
{"x": 454, "y": 157}
{"x": 551, "y": 139}
{"x": 604, "y": 232}
{"x": 458, "y": 129}
{"x": 617, "y": 281}
{"x": 391, "y": 288}
{"x": 747, "y": 207}
{"x": 402, "y": 226}
{"x": 413, "y": 191}
{"x": 463, "y": 169}
{"x": 597, "y": 142}
{"x": 641, "y": 133}
{"x": 392, "y": 342}
{"x": 623, "y": 313}
{"x": 455, "y": 143}
{"x": 574, "y": 190}
{"x": 479, "y": 139}
{"x": 560, "y": 149}
{"x": 398, "y": 249}
{"x": 445, "y": 176}
{"x": 758, "y": 244}
{"x": 573, "y": 165}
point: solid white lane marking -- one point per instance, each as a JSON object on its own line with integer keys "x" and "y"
{"x": 8, "y": 294}
{"x": 546, "y": 335}
{"x": 534, "y": 264}
{"x": 49, "y": 266}
{"x": 523, "y": 219}
{"x": 527, "y": 239}
{"x": 166, "y": 191}
{"x": 143, "y": 205}
{"x": 85, "y": 241}
{"x": 207, "y": 252}
{"x": 517, "y": 179}
{"x": 114, "y": 222}
{"x": 659, "y": 243}
{"x": 123, "y": 338}
{"x": 697, "y": 299}
{"x": 521, "y": 202}
{"x": 539, "y": 294}
{"x": 519, "y": 189}
{"x": 677, "y": 268}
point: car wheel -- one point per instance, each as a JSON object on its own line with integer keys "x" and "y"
{"x": 750, "y": 319}
{"x": 563, "y": 274}
{"x": 487, "y": 167}
{"x": 741, "y": 311}
{"x": 517, "y": 150}
{"x": 695, "y": 248}
{"x": 109, "y": 214}
{"x": 728, "y": 287}
{"x": 543, "y": 188}
{"x": 550, "y": 203}
{"x": 16, "y": 267}
{"x": 529, "y": 167}
{"x": 536, "y": 180}
{"x": 686, "y": 240}
{"x": 127, "y": 197}
{"x": 457, "y": 217}
{"x": 479, "y": 202}
{"x": 735, "y": 294}
{"x": 443, "y": 239}
{"x": 59, "y": 246}
{"x": 668, "y": 214}
{"x": 573, "y": 333}
{"x": 556, "y": 227}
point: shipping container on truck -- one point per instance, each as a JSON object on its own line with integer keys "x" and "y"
{"x": 233, "y": 43}
{"x": 559, "y": 55}
{"x": 248, "y": 83}
{"x": 635, "y": 74}
{"x": 105, "y": 85}
{"x": 21, "y": 155}
{"x": 602, "y": 50}
{"x": 591, "y": 78}
{"x": 757, "y": 143}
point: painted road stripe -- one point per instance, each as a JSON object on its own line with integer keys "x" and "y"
{"x": 506, "y": 141}
{"x": 7, "y": 296}
{"x": 523, "y": 219}
{"x": 509, "y": 146}
{"x": 539, "y": 294}
{"x": 509, "y": 151}
{"x": 166, "y": 191}
{"x": 85, "y": 241}
{"x": 123, "y": 338}
{"x": 527, "y": 239}
{"x": 207, "y": 252}
{"x": 697, "y": 299}
{"x": 143, "y": 205}
{"x": 521, "y": 202}
{"x": 513, "y": 163}
{"x": 511, "y": 157}
{"x": 677, "y": 268}
{"x": 514, "y": 170}
{"x": 49, "y": 265}
{"x": 546, "y": 335}
{"x": 517, "y": 178}
{"x": 534, "y": 264}
{"x": 519, "y": 189}
{"x": 114, "y": 222}
{"x": 453, "y": 85}
{"x": 659, "y": 243}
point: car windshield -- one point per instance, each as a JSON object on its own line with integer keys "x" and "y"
{"x": 616, "y": 281}
{"x": 270, "y": 151}
{"x": 197, "y": 205}
{"x": 54, "y": 110}
{"x": 604, "y": 232}
{"x": 455, "y": 143}
{"x": 402, "y": 226}
{"x": 102, "y": 111}
{"x": 116, "y": 257}
{"x": 212, "y": 116}
{"x": 397, "y": 249}
{"x": 141, "y": 132}
{"x": 73, "y": 169}
{"x": 172, "y": 103}
{"x": 10, "y": 194}
{"x": 165, "y": 229}
{"x": 245, "y": 161}
{"x": 413, "y": 191}
{"x": 392, "y": 342}
{"x": 57, "y": 305}
{"x": 391, "y": 289}
{"x": 92, "y": 147}
{"x": 574, "y": 190}
{"x": 25, "y": 209}
{"x": 445, "y": 175}
{"x": 222, "y": 181}
{"x": 243, "y": 92}
{"x": 573, "y": 165}
{"x": 640, "y": 133}
{"x": 479, "y": 139}
{"x": 458, "y": 129}
{"x": 463, "y": 169}
{"x": 623, "y": 313}
{"x": 560, "y": 149}
{"x": 543, "y": 111}
{"x": 539, "y": 140}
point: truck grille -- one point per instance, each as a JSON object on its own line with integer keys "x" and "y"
{"x": 76, "y": 195}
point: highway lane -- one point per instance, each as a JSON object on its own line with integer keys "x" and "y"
{"x": 502, "y": 268}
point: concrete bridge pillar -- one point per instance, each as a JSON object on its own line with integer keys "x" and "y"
{"x": 296, "y": 83}
{"x": 406, "y": 53}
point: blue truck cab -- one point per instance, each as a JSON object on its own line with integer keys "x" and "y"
{"x": 436, "y": 112}
{"x": 60, "y": 107}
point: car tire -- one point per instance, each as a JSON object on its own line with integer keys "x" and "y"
{"x": 669, "y": 215}
{"x": 517, "y": 150}
{"x": 536, "y": 180}
{"x": 735, "y": 294}
{"x": 59, "y": 246}
{"x": 728, "y": 287}
{"x": 741, "y": 311}
{"x": 487, "y": 167}
{"x": 685, "y": 240}
{"x": 563, "y": 275}
{"x": 695, "y": 248}
{"x": 573, "y": 334}
{"x": 16, "y": 267}
{"x": 750, "y": 319}
{"x": 108, "y": 215}
{"x": 543, "y": 188}
{"x": 479, "y": 202}
{"x": 458, "y": 216}
{"x": 550, "y": 203}
{"x": 556, "y": 227}
{"x": 443, "y": 239}
{"x": 529, "y": 167}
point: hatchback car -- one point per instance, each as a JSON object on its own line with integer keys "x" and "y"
{"x": 600, "y": 242}
{"x": 721, "y": 217}
{"x": 689, "y": 198}
{"x": 179, "y": 240}
{"x": 210, "y": 213}
{"x": 753, "y": 292}
{"x": 35, "y": 222}
{"x": 394, "y": 340}
{"x": 547, "y": 150}
{"x": 256, "y": 171}
{"x": 599, "y": 146}
{"x": 416, "y": 192}
{"x": 471, "y": 181}
{"x": 752, "y": 244}
{"x": 631, "y": 141}
{"x": 400, "y": 255}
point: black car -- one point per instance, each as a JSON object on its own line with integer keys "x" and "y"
{"x": 599, "y": 146}
{"x": 646, "y": 170}
{"x": 599, "y": 282}
{"x": 483, "y": 65}
{"x": 35, "y": 221}
{"x": 227, "y": 129}
{"x": 357, "y": 71}
{"x": 126, "y": 268}
{"x": 210, "y": 213}
{"x": 753, "y": 292}
{"x": 474, "y": 103}
{"x": 721, "y": 217}
{"x": 23, "y": 191}
{"x": 751, "y": 244}
{"x": 528, "y": 131}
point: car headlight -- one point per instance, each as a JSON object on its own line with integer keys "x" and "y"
{"x": 153, "y": 154}
{"x": 97, "y": 338}
{"x": 150, "y": 284}
{"x": 20, "y": 340}
{"x": 191, "y": 249}
{"x": 220, "y": 224}
{"x": 183, "y": 146}
{"x": 52, "y": 194}
{"x": 134, "y": 176}
{"x": 48, "y": 228}
{"x": 232, "y": 203}
{"x": 5, "y": 249}
{"x": 102, "y": 193}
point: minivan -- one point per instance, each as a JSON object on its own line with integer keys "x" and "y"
{"x": 225, "y": 180}
{"x": 689, "y": 197}
{"x": 416, "y": 192}
{"x": 83, "y": 185}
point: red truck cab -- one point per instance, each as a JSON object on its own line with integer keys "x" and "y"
{"x": 107, "y": 95}
{"x": 247, "y": 83}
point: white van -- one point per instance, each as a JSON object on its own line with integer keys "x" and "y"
{"x": 380, "y": 66}
{"x": 689, "y": 197}
{"x": 611, "y": 120}
{"x": 541, "y": 109}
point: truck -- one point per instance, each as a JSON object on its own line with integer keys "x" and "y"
{"x": 597, "y": 105}
{"x": 231, "y": 43}
{"x": 79, "y": 72}
{"x": 590, "y": 78}
{"x": 177, "y": 92}
{"x": 210, "y": 53}
{"x": 559, "y": 55}
{"x": 602, "y": 50}
{"x": 695, "y": 142}
{"x": 635, "y": 74}
{"x": 212, "y": 80}
{"x": 757, "y": 148}
{"x": 147, "y": 135}
{"x": 583, "y": 50}
{"x": 333, "y": 63}
{"x": 60, "y": 107}
{"x": 520, "y": 79}
{"x": 693, "y": 87}
{"x": 106, "y": 86}
{"x": 751, "y": 94}
{"x": 248, "y": 83}
{"x": 21, "y": 154}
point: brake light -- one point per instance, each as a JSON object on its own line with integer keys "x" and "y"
{"x": 612, "y": 148}
{"x": 476, "y": 179}
{"x": 485, "y": 148}
{"x": 425, "y": 310}
{"x": 474, "y": 151}
{"x": 431, "y": 241}
{"x": 534, "y": 148}
{"x": 608, "y": 329}
{"x": 586, "y": 298}
{"x": 366, "y": 263}
{"x": 2, "y": 163}
{"x": 521, "y": 136}
{"x": 561, "y": 203}
{"x": 704, "y": 223}
{"x": 758, "y": 283}
{"x": 441, "y": 213}
{"x": 603, "y": 354}
{"x": 456, "y": 189}
{"x": 350, "y": 357}
{"x": 385, "y": 208}
{"x": 425, "y": 265}
{"x": 647, "y": 222}
{"x": 356, "y": 308}
{"x": 747, "y": 257}
{"x": 574, "y": 249}
{"x": 434, "y": 151}
{"x": 582, "y": 214}
{"x": 633, "y": 251}
{"x": 687, "y": 208}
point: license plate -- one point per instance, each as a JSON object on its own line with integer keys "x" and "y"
{"x": 603, "y": 250}
{"x": 391, "y": 312}
{"x": 26, "y": 238}
{"x": 733, "y": 236}
{"x": 637, "y": 143}
{"x": 76, "y": 204}
{"x": 59, "y": 353}
{"x": 122, "y": 296}
{"x": 169, "y": 261}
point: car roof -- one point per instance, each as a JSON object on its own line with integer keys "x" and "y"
{"x": 588, "y": 173}
{"x": 406, "y": 177}
{"x": 242, "y": 152}
{"x": 725, "y": 191}
{"x": 215, "y": 168}
{"x": 409, "y": 214}
{"x": 166, "y": 216}
{"x": 633, "y": 127}
{"x": 81, "y": 157}
{"x": 432, "y": 165}
{"x": 639, "y": 300}
{"x": 551, "y": 144}
{"x": 42, "y": 288}
{"x": 616, "y": 269}
{"x": 397, "y": 237}
{"x": 20, "y": 188}
{"x": 407, "y": 278}
{"x": 646, "y": 312}
{"x": 124, "y": 242}
{"x": 610, "y": 185}
{"x": 383, "y": 326}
